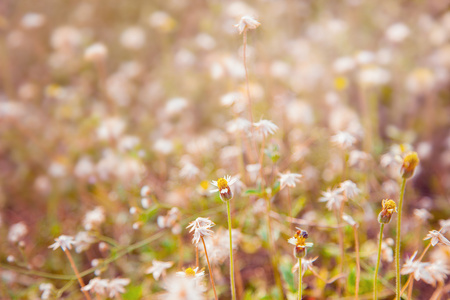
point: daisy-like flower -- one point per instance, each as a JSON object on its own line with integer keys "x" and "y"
{"x": 289, "y": 179}
{"x": 191, "y": 273}
{"x": 265, "y": 127}
{"x": 306, "y": 264}
{"x": 299, "y": 241}
{"x": 64, "y": 241}
{"x": 201, "y": 228}
{"x": 247, "y": 23}
{"x": 343, "y": 139}
{"x": 96, "y": 285}
{"x": 159, "y": 268}
{"x": 46, "y": 289}
{"x": 223, "y": 187}
{"x": 350, "y": 189}
{"x": 333, "y": 198}
{"x": 17, "y": 232}
{"x": 437, "y": 237}
{"x": 116, "y": 287}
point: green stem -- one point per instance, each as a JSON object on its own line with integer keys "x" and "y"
{"x": 397, "y": 241}
{"x": 375, "y": 277}
{"x": 299, "y": 278}
{"x": 233, "y": 289}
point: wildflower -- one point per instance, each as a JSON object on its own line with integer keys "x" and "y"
{"x": 410, "y": 162}
{"x": 158, "y": 268}
{"x": 110, "y": 129}
{"x": 298, "y": 240}
{"x": 201, "y": 229}
{"x": 10, "y": 259}
{"x": 422, "y": 214}
{"x": 83, "y": 241}
{"x": 388, "y": 209}
{"x": 343, "y": 139}
{"x": 265, "y": 127}
{"x": 289, "y": 179}
{"x": 333, "y": 198}
{"x": 162, "y": 21}
{"x": 32, "y": 20}
{"x": 181, "y": 288}
{"x": 94, "y": 218}
{"x": 170, "y": 220}
{"x": 96, "y": 52}
{"x": 397, "y": 32}
{"x": 63, "y": 241}
{"x": 191, "y": 273}
{"x": 223, "y": 187}
{"x": 445, "y": 224}
{"x": 133, "y": 38}
{"x": 116, "y": 287}
{"x": 350, "y": 189}
{"x": 409, "y": 265}
{"x": 437, "y": 237}
{"x": 189, "y": 170}
{"x": 306, "y": 264}
{"x": 46, "y": 289}
{"x": 145, "y": 191}
{"x": 439, "y": 271}
{"x": 247, "y": 23}
{"x": 238, "y": 125}
{"x": 17, "y": 232}
{"x": 349, "y": 220}
{"x": 96, "y": 285}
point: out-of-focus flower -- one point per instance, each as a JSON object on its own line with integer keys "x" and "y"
{"x": 162, "y": 21}
{"x": 97, "y": 285}
{"x": 218, "y": 245}
{"x": 429, "y": 272}
{"x": 17, "y": 232}
{"x": 191, "y": 273}
{"x": 170, "y": 220}
{"x": 163, "y": 146}
{"x": 133, "y": 38}
{"x": 349, "y": 220}
{"x": 46, "y": 289}
{"x": 445, "y": 224}
{"x": 247, "y": 23}
{"x": 176, "y": 106}
{"x": 397, "y": 32}
{"x": 343, "y": 139}
{"x": 201, "y": 227}
{"x": 145, "y": 191}
{"x": 265, "y": 127}
{"x": 63, "y": 241}
{"x": 333, "y": 198}
{"x": 437, "y": 237}
{"x": 307, "y": 264}
{"x": 420, "y": 81}
{"x": 422, "y": 214}
{"x": 66, "y": 38}
{"x": 359, "y": 159}
{"x": 189, "y": 170}
{"x": 350, "y": 189}
{"x": 94, "y": 218}
{"x": 223, "y": 187}
{"x": 373, "y": 75}
{"x": 83, "y": 241}
{"x": 116, "y": 287}
{"x": 344, "y": 64}
{"x": 32, "y": 20}
{"x": 410, "y": 162}
{"x": 238, "y": 125}
{"x": 159, "y": 268}
{"x": 96, "y": 52}
{"x": 289, "y": 179}
{"x": 182, "y": 288}
{"x": 110, "y": 128}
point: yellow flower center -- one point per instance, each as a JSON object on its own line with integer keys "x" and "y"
{"x": 222, "y": 183}
{"x": 411, "y": 161}
{"x": 389, "y": 204}
{"x": 189, "y": 272}
{"x": 300, "y": 241}
{"x": 204, "y": 184}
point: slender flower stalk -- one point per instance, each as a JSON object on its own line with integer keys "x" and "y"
{"x": 299, "y": 241}
{"x": 210, "y": 270}
{"x": 233, "y": 288}
{"x": 300, "y": 287}
{"x": 375, "y": 277}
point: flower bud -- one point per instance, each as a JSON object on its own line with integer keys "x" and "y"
{"x": 389, "y": 207}
{"x": 410, "y": 162}
{"x": 300, "y": 251}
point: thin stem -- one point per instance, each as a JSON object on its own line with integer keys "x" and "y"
{"x": 196, "y": 256}
{"x": 261, "y": 159}
{"x": 290, "y": 208}
{"x": 410, "y": 289}
{"x": 233, "y": 288}
{"x": 299, "y": 278}
{"x": 210, "y": 270}
{"x": 397, "y": 241}
{"x": 74, "y": 268}
{"x": 341, "y": 247}
{"x": 375, "y": 277}
{"x": 358, "y": 265}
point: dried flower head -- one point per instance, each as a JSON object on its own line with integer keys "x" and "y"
{"x": 64, "y": 241}
{"x": 388, "y": 209}
{"x": 223, "y": 187}
{"x": 265, "y": 127}
{"x": 410, "y": 162}
{"x": 289, "y": 179}
{"x": 247, "y": 23}
{"x": 201, "y": 228}
{"x": 299, "y": 241}
{"x": 437, "y": 237}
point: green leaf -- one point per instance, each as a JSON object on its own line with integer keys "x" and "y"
{"x": 252, "y": 192}
{"x": 133, "y": 292}
{"x": 288, "y": 276}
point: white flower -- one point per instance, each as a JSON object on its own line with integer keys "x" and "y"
{"x": 145, "y": 191}
{"x": 97, "y": 285}
{"x": 189, "y": 170}
{"x": 94, "y": 218}
{"x": 110, "y": 128}
{"x": 289, "y": 179}
{"x": 238, "y": 125}
{"x": 349, "y": 220}
{"x": 344, "y": 64}
{"x": 445, "y": 224}
{"x": 265, "y": 127}
{"x": 333, "y": 198}
{"x": 96, "y": 52}
{"x": 17, "y": 232}
{"x": 422, "y": 214}
{"x": 397, "y": 32}
{"x": 409, "y": 266}
{"x": 170, "y": 220}
{"x": 349, "y": 189}
{"x": 201, "y": 228}
{"x": 133, "y": 38}
{"x": 439, "y": 270}
{"x": 437, "y": 237}
{"x": 229, "y": 180}
{"x": 306, "y": 264}
{"x": 343, "y": 139}
{"x": 64, "y": 241}
{"x": 116, "y": 287}
{"x": 181, "y": 288}
{"x": 83, "y": 241}
{"x": 247, "y": 23}
{"x": 46, "y": 289}
{"x": 159, "y": 268}
{"x": 191, "y": 273}
{"x": 32, "y": 20}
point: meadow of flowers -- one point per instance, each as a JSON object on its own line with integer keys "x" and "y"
{"x": 213, "y": 149}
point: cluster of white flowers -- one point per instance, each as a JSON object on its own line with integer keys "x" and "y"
{"x": 431, "y": 273}
{"x": 201, "y": 228}
{"x": 334, "y": 197}
{"x": 170, "y": 220}
{"x": 17, "y": 232}
{"x": 94, "y": 218}
{"x": 111, "y": 287}
{"x": 343, "y": 139}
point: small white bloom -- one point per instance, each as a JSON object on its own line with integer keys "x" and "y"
{"x": 437, "y": 237}
{"x": 397, "y": 32}
{"x": 46, "y": 289}
{"x": 145, "y": 191}
{"x": 97, "y": 285}
{"x": 445, "y": 224}
{"x": 83, "y": 241}
{"x": 17, "y": 232}
{"x": 181, "y": 288}
{"x": 116, "y": 287}
{"x": 230, "y": 180}
{"x": 64, "y": 241}
{"x": 96, "y": 52}
{"x": 439, "y": 270}
{"x": 349, "y": 220}
{"x": 145, "y": 202}
{"x": 306, "y": 264}
{"x": 159, "y": 268}
{"x": 238, "y": 125}
{"x": 289, "y": 179}
{"x": 32, "y": 20}
{"x": 349, "y": 189}
{"x": 201, "y": 228}
{"x": 344, "y": 64}
{"x": 265, "y": 127}
{"x": 422, "y": 214}
{"x": 94, "y": 218}
{"x": 333, "y": 198}
{"x": 343, "y": 139}
{"x": 189, "y": 170}
{"x": 247, "y": 23}
{"x": 133, "y": 38}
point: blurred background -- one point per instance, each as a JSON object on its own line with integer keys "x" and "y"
{"x": 100, "y": 98}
